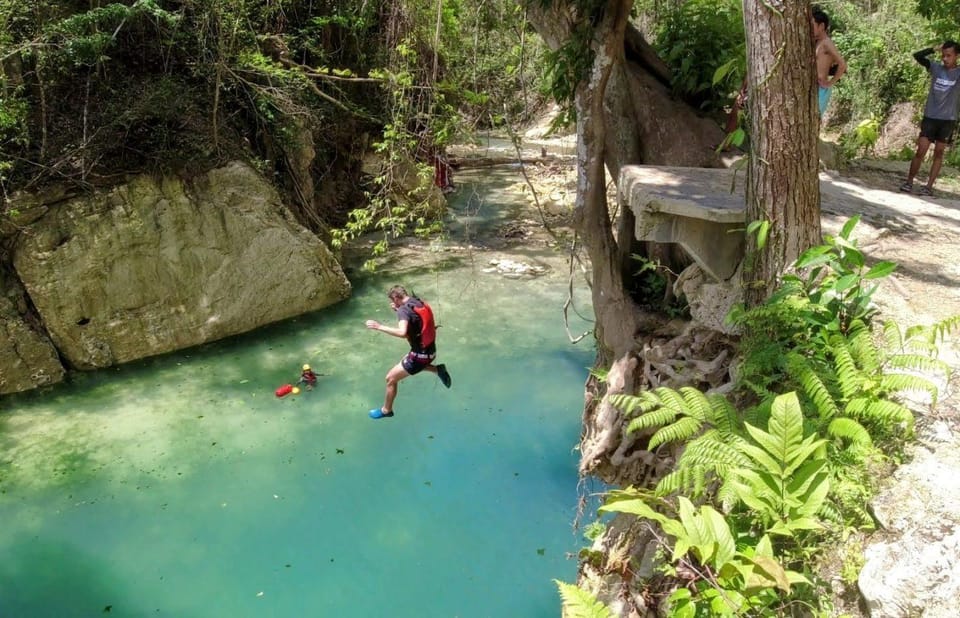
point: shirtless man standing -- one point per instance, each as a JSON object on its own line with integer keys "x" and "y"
{"x": 830, "y": 64}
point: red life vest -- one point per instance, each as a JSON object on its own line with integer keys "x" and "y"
{"x": 428, "y": 330}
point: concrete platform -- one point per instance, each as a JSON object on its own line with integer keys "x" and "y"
{"x": 700, "y": 209}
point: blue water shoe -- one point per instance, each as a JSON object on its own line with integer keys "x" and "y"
{"x": 379, "y": 413}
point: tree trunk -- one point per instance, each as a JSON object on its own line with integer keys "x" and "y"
{"x": 782, "y": 188}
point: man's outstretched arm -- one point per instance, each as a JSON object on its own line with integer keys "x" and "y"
{"x": 399, "y": 331}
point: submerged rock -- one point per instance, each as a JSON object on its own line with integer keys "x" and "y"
{"x": 514, "y": 270}
{"x": 157, "y": 265}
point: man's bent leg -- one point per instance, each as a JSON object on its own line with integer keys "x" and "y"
{"x": 394, "y": 376}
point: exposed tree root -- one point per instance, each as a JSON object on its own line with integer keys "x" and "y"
{"x": 695, "y": 357}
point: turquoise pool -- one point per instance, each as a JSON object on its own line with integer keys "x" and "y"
{"x": 181, "y": 486}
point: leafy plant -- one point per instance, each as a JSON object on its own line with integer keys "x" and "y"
{"x": 578, "y": 603}
{"x": 704, "y": 548}
{"x": 703, "y": 42}
{"x": 785, "y": 485}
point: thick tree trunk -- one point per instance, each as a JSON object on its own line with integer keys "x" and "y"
{"x": 782, "y": 183}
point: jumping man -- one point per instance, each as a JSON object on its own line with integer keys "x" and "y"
{"x": 415, "y": 323}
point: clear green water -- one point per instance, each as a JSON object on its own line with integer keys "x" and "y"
{"x": 181, "y": 486}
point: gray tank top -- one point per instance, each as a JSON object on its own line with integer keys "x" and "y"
{"x": 944, "y": 92}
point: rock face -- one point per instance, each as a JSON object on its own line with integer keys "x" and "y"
{"x": 913, "y": 569}
{"x": 27, "y": 358}
{"x": 162, "y": 264}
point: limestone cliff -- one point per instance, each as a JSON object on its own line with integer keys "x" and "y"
{"x": 156, "y": 265}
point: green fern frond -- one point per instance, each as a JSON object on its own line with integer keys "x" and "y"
{"x": 682, "y": 430}
{"x": 813, "y": 387}
{"x": 934, "y": 333}
{"x": 849, "y": 429}
{"x": 657, "y": 418}
{"x": 691, "y": 479}
{"x": 864, "y": 350}
{"x": 939, "y": 331}
{"x": 892, "y": 337}
{"x": 886, "y": 413}
{"x": 919, "y": 362}
{"x": 723, "y": 414}
{"x": 578, "y": 603}
{"x": 915, "y": 331}
{"x": 714, "y": 450}
{"x": 849, "y": 378}
{"x": 630, "y": 404}
{"x": 907, "y": 383}
{"x": 759, "y": 415}
{"x": 830, "y": 513}
{"x": 696, "y": 404}
{"x": 671, "y": 399}
{"x": 920, "y": 346}
{"x": 727, "y": 495}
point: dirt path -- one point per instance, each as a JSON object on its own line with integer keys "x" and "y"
{"x": 920, "y": 234}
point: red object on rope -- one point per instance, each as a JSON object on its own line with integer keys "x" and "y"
{"x": 284, "y": 390}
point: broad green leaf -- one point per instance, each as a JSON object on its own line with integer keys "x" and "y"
{"x": 719, "y": 606}
{"x": 799, "y": 454}
{"x": 816, "y": 496}
{"x": 781, "y": 529}
{"x": 746, "y": 494}
{"x": 759, "y": 455}
{"x": 696, "y": 528}
{"x": 726, "y": 548}
{"x": 848, "y": 226}
{"x": 799, "y": 482}
{"x": 764, "y": 547}
{"x": 846, "y": 282}
{"x": 636, "y": 507}
{"x": 786, "y": 424}
{"x": 880, "y": 269}
{"x": 681, "y": 605}
{"x": 796, "y": 578}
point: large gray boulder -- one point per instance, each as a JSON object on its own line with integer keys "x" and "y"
{"x": 911, "y": 566}
{"x": 160, "y": 264}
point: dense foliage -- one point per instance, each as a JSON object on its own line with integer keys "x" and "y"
{"x": 93, "y": 91}
{"x": 703, "y": 42}
{"x": 784, "y": 467}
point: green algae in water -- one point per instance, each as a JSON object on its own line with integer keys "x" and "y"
{"x": 181, "y": 486}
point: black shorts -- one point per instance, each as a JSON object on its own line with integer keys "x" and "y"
{"x": 937, "y": 130}
{"x": 414, "y": 362}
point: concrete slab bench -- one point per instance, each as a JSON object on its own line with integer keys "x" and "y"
{"x": 690, "y": 206}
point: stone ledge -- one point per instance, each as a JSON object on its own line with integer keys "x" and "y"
{"x": 701, "y": 209}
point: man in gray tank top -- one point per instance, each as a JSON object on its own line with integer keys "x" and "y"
{"x": 939, "y": 114}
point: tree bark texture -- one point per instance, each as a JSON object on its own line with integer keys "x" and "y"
{"x": 783, "y": 187}
{"x": 625, "y": 115}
